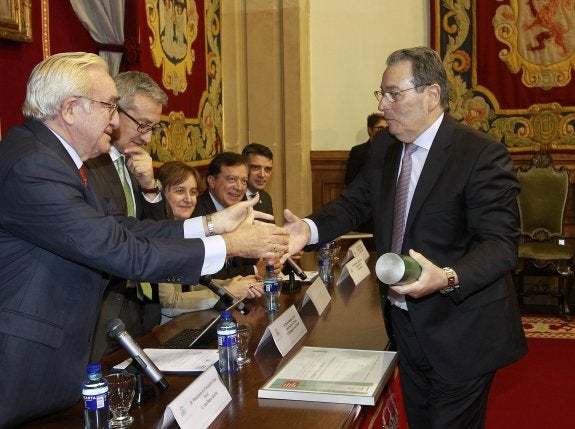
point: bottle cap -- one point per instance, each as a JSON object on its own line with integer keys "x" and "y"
{"x": 393, "y": 269}
{"x": 94, "y": 367}
{"x": 226, "y": 313}
{"x": 269, "y": 267}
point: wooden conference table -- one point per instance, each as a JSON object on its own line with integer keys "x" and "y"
{"x": 353, "y": 319}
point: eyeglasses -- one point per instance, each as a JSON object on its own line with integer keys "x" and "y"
{"x": 112, "y": 107}
{"x": 392, "y": 96}
{"x": 142, "y": 127}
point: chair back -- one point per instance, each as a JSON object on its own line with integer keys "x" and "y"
{"x": 542, "y": 201}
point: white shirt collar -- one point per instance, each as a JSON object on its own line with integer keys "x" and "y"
{"x": 425, "y": 139}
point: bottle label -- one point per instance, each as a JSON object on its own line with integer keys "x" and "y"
{"x": 271, "y": 286}
{"x": 96, "y": 401}
{"x": 227, "y": 340}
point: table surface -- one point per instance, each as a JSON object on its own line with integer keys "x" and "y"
{"x": 352, "y": 320}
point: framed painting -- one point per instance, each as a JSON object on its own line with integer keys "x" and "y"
{"x": 15, "y": 20}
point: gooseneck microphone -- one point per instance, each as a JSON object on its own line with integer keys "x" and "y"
{"x": 227, "y": 297}
{"x": 116, "y": 329}
{"x": 296, "y": 269}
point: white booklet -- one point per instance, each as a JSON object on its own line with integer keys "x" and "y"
{"x": 343, "y": 376}
{"x": 178, "y": 361}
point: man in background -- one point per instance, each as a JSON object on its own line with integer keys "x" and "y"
{"x": 227, "y": 182}
{"x": 359, "y": 154}
{"x": 125, "y": 176}
{"x": 260, "y": 161}
{"x": 358, "y": 157}
{"x": 445, "y": 194}
{"x": 57, "y": 240}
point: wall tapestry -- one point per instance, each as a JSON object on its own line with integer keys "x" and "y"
{"x": 510, "y": 66}
{"x": 180, "y": 48}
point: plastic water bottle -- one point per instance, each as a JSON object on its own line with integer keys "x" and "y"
{"x": 228, "y": 342}
{"x": 324, "y": 263}
{"x": 95, "y": 395}
{"x": 271, "y": 290}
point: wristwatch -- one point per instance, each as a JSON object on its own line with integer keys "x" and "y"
{"x": 451, "y": 286}
{"x": 155, "y": 190}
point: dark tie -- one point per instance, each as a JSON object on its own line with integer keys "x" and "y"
{"x": 84, "y": 175}
{"x": 401, "y": 193}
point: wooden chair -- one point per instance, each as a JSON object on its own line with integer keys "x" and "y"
{"x": 542, "y": 252}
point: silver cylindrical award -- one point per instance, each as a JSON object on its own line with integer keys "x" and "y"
{"x": 394, "y": 269}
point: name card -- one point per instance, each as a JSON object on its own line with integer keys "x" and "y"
{"x": 199, "y": 404}
{"x": 357, "y": 269}
{"x": 356, "y": 249}
{"x": 286, "y": 331}
{"x": 318, "y": 295}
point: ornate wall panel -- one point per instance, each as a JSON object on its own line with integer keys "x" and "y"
{"x": 510, "y": 66}
{"x": 179, "y": 46}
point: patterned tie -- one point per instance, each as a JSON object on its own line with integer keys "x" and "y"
{"x": 399, "y": 215}
{"x": 401, "y": 193}
{"x": 84, "y": 175}
{"x": 119, "y": 164}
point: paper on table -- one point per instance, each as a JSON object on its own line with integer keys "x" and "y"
{"x": 178, "y": 360}
{"x": 311, "y": 275}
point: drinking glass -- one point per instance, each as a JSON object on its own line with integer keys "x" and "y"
{"x": 244, "y": 334}
{"x": 121, "y": 387}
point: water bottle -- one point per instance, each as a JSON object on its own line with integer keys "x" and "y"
{"x": 271, "y": 290}
{"x": 95, "y": 395}
{"x": 228, "y": 343}
{"x": 324, "y": 263}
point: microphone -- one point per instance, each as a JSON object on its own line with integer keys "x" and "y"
{"x": 296, "y": 269}
{"x": 116, "y": 329}
{"x": 228, "y": 298}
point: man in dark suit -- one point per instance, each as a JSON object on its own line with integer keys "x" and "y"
{"x": 358, "y": 157}
{"x": 459, "y": 322}
{"x": 57, "y": 239}
{"x": 359, "y": 154}
{"x": 125, "y": 175}
{"x": 227, "y": 181}
{"x": 260, "y": 161}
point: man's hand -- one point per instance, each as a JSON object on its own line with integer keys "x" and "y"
{"x": 299, "y": 234}
{"x": 139, "y": 163}
{"x": 245, "y": 287}
{"x": 228, "y": 219}
{"x": 261, "y": 240}
{"x": 431, "y": 279}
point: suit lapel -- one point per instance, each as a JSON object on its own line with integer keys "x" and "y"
{"x": 389, "y": 172}
{"x": 47, "y": 138}
{"x": 434, "y": 164}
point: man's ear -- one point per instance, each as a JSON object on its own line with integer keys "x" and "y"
{"x": 434, "y": 92}
{"x": 211, "y": 181}
{"x": 67, "y": 109}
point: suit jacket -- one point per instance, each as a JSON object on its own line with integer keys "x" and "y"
{"x": 139, "y": 317}
{"x": 358, "y": 156}
{"x": 234, "y": 266}
{"x": 463, "y": 215}
{"x": 56, "y": 241}
{"x": 265, "y": 204}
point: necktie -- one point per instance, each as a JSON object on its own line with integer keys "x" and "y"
{"x": 119, "y": 164}
{"x": 401, "y": 193}
{"x": 84, "y": 175}
{"x": 399, "y": 215}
